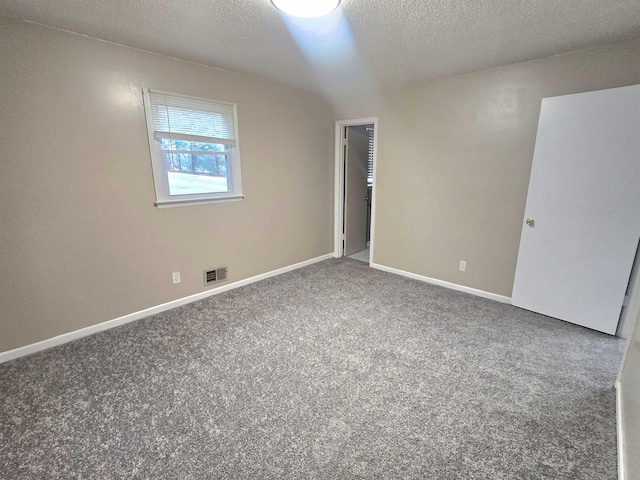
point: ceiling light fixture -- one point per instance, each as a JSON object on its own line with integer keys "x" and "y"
{"x": 306, "y": 8}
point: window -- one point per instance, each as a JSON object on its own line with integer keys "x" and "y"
{"x": 370, "y": 133}
{"x": 194, "y": 149}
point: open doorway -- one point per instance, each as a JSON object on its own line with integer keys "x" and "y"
{"x": 355, "y": 188}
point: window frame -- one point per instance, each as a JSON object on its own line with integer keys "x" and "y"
{"x": 160, "y": 175}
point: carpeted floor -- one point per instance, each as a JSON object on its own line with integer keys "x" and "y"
{"x": 332, "y": 371}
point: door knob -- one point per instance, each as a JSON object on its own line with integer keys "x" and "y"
{"x": 530, "y": 221}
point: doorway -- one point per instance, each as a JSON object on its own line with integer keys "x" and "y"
{"x": 356, "y": 148}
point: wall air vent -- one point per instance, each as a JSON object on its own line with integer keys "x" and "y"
{"x": 215, "y": 275}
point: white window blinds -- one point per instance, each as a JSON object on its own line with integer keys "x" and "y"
{"x": 370, "y": 132}
{"x": 191, "y": 119}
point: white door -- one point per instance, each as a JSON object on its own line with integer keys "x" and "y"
{"x": 355, "y": 210}
{"x": 576, "y": 255}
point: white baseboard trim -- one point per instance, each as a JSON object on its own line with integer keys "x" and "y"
{"x": 620, "y": 431}
{"x": 83, "y": 332}
{"x": 442, "y": 283}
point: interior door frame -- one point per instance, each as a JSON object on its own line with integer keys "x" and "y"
{"x": 338, "y": 249}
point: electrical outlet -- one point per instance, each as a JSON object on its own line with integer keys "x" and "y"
{"x": 463, "y": 266}
{"x": 176, "y": 277}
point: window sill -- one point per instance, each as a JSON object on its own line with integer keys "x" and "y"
{"x": 199, "y": 201}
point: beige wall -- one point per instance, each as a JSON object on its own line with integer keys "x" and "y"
{"x": 81, "y": 240}
{"x": 454, "y": 157}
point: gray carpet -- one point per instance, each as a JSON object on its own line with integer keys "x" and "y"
{"x": 332, "y": 371}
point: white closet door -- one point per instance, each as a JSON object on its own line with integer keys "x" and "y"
{"x": 584, "y": 201}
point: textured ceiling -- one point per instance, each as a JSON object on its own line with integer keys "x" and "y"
{"x": 363, "y": 44}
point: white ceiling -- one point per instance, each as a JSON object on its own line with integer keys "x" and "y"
{"x": 363, "y": 44}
